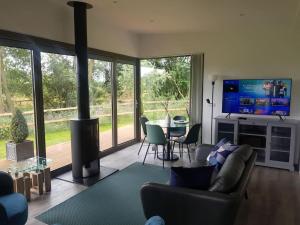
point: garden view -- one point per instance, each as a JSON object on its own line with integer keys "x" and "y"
{"x": 164, "y": 87}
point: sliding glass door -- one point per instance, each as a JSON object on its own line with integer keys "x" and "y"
{"x": 100, "y": 85}
{"x": 60, "y": 105}
{"x": 125, "y": 84}
{"x": 41, "y": 82}
{"x": 15, "y": 92}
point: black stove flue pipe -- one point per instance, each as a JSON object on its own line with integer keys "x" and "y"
{"x": 84, "y": 130}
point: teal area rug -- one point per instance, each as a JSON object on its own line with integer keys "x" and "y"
{"x": 112, "y": 201}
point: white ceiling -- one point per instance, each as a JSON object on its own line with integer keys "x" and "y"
{"x": 176, "y": 16}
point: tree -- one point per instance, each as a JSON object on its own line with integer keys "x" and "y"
{"x": 173, "y": 83}
{"x": 15, "y": 77}
{"x": 59, "y": 83}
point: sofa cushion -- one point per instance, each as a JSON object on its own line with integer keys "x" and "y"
{"x": 244, "y": 151}
{"x": 219, "y": 156}
{"x": 196, "y": 178}
{"x": 229, "y": 175}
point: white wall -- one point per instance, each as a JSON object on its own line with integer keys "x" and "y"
{"x": 42, "y": 18}
{"x": 238, "y": 54}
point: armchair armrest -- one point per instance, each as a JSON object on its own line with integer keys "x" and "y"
{"x": 179, "y": 206}
{"x": 6, "y": 184}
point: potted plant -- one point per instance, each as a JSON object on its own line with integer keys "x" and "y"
{"x": 19, "y": 148}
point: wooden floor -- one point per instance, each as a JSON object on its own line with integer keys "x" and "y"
{"x": 274, "y": 195}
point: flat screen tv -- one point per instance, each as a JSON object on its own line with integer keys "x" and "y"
{"x": 258, "y": 97}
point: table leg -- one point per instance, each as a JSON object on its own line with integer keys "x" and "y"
{"x": 47, "y": 179}
{"x": 169, "y": 156}
{"x": 37, "y": 181}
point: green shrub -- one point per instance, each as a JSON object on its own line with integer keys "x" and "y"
{"x": 18, "y": 127}
{"x": 4, "y": 133}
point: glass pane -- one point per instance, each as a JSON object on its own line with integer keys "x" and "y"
{"x": 254, "y": 141}
{"x": 226, "y": 127}
{"x": 101, "y": 99}
{"x": 280, "y": 143}
{"x": 280, "y": 156}
{"x": 15, "y": 92}
{"x": 253, "y": 129}
{"x": 125, "y": 102}
{"x": 165, "y": 87}
{"x": 59, "y": 90}
{"x": 281, "y": 131}
{"x": 222, "y": 135}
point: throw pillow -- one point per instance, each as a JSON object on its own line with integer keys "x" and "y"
{"x": 215, "y": 148}
{"x": 220, "y": 143}
{"x": 219, "y": 156}
{"x": 196, "y": 178}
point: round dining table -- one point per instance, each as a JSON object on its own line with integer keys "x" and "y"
{"x": 173, "y": 124}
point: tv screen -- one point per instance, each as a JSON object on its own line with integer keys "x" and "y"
{"x": 259, "y": 97}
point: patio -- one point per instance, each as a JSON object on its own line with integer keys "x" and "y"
{"x": 61, "y": 153}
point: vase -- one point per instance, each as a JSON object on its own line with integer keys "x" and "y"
{"x": 168, "y": 118}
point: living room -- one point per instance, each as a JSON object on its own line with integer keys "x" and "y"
{"x": 229, "y": 40}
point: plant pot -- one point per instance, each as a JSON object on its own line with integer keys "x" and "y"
{"x": 19, "y": 151}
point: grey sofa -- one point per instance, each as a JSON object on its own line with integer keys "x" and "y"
{"x": 217, "y": 206}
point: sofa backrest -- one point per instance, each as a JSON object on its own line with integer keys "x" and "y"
{"x": 233, "y": 171}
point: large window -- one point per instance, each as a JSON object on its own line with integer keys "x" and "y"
{"x": 60, "y": 105}
{"x": 165, "y": 87}
{"x": 100, "y": 85}
{"x": 46, "y": 70}
{"x": 15, "y": 91}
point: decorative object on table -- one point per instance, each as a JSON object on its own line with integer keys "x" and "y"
{"x": 195, "y": 178}
{"x": 14, "y": 208}
{"x": 143, "y": 121}
{"x": 155, "y": 136}
{"x": 19, "y": 148}
{"x": 211, "y": 102}
{"x": 191, "y": 138}
{"x": 168, "y": 118}
{"x": 178, "y": 131}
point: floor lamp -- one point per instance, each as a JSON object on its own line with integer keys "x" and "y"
{"x": 211, "y": 102}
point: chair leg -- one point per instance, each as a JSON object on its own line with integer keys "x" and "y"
{"x": 188, "y": 149}
{"x": 163, "y": 157}
{"x": 146, "y": 153}
{"x": 141, "y": 145}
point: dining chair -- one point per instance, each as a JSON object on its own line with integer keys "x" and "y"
{"x": 143, "y": 121}
{"x": 178, "y": 131}
{"x": 155, "y": 136}
{"x": 191, "y": 138}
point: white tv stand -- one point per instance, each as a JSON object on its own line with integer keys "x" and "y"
{"x": 274, "y": 140}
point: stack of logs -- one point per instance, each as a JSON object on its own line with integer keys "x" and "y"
{"x": 36, "y": 181}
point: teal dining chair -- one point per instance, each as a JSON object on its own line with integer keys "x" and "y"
{"x": 155, "y": 136}
{"x": 191, "y": 138}
{"x": 143, "y": 121}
